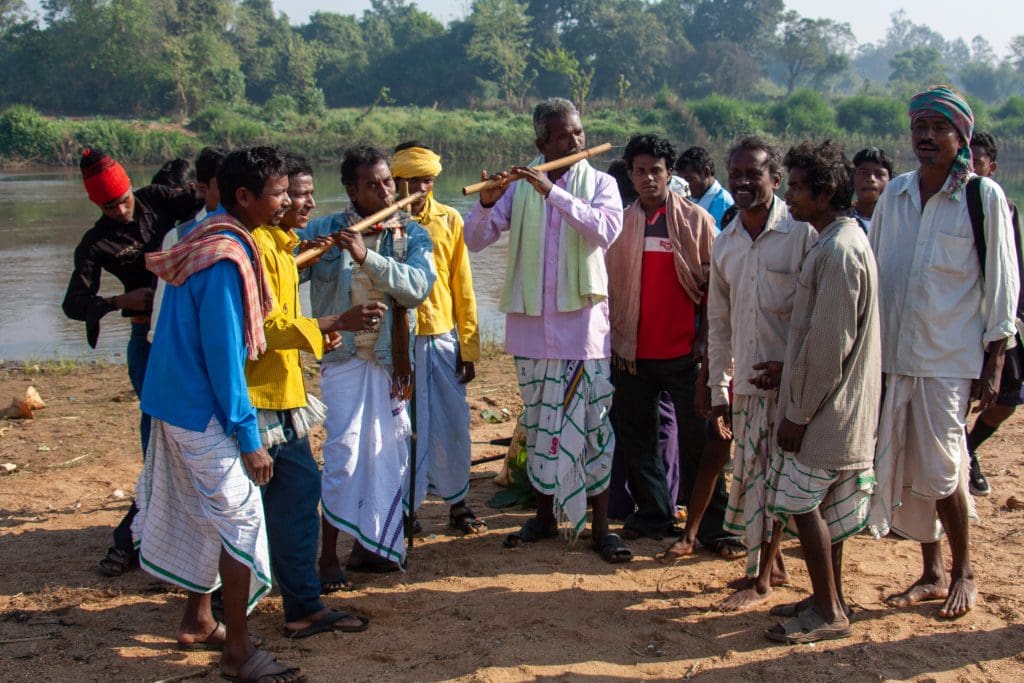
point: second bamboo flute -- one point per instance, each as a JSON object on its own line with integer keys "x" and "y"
{"x": 305, "y": 257}
{"x": 546, "y": 166}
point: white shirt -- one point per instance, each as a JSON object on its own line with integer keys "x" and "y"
{"x": 170, "y": 239}
{"x": 750, "y": 298}
{"x": 938, "y": 312}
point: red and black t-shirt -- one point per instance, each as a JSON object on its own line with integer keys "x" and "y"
{"x": 668, "y": 316}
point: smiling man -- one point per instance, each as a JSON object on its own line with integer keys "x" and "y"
{"x": 556, "y": 322}
{"x": 753, "y": 280}
{"x": 201, "y": 520}
{"x": 366, "y": 380}
{"x": 286, "y": 415}
{"x": 942, "y": 308}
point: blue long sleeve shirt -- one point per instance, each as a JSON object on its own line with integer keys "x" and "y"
{"x": 197, "y": 363}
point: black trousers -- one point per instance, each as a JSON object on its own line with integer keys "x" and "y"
{"x": 636, "y": 434}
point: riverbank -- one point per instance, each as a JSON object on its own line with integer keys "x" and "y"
{"x": 466, "y": 136}
{"x": 466, "y": 609}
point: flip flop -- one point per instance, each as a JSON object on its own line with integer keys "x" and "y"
{"x": 729, "y": 548}
{"x": 117, "y": 562}
{"x": 214, "y": 641}
{"x": 466, "y": 521}
{"x": 531, "y": 532}
{"x": 263, "y": 665}
{"x": 808, "y": 627}
{"x": 334, "y": 582}
{"x": 373, "y": 566}
{"x": 327, "y": 624}
{"x": 612, "y": 549}
{"x": 792, "y": 609}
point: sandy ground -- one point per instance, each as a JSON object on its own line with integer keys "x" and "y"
{"x": 466, "y": 609}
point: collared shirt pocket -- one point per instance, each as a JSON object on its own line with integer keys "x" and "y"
{"x": 952, "y": 253}
{"x": 780, "y": 284}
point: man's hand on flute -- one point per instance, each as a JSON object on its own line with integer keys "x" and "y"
{"x": 320, "y": 242}
{"x": 358, "y": 318}
{"x": 353, "y": 243}
{"x": 490, "y": 195}
{"x": 538, "y": 179}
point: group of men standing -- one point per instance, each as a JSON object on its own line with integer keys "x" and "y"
{"x": 787, "y": 333}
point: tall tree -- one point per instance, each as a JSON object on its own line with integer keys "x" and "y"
{"x": 501, "y": 42}
{"x": 812, "y": 50}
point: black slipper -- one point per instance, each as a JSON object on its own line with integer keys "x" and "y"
{"x": 612, "y": 549}
{"x": 336, "y": 581}
{"x": 327, "y": 624}
{"x": 531, "y": 532}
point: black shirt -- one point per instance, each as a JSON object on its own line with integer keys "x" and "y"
{"x": 119, "y": 249}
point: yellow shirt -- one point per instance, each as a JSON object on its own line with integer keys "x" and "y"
{"x": 275, "y": 379}
{"x": 452, "y": 302}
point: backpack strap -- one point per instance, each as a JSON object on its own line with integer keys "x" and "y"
{"x": 977, "y": 214}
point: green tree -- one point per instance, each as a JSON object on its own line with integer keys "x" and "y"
{"x": 915, "y": 69}
{"x": 812, "y": 50}
{"x": 561, "y": 61}
{"x": 500, "y": 41}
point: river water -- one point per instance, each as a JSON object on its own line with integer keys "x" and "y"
{"x": 43, "y": 215}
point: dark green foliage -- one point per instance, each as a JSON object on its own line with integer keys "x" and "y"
{"x": 872, "y": 115}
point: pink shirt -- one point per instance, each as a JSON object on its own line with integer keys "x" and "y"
{"x": 577, "y": 335}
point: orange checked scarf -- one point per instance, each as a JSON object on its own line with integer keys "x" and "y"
{"x": 204, "y": 246}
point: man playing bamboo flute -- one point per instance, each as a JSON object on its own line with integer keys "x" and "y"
{"x": 286, "y": 414}
{"x": 555, "y": 299}
{"x": 945, "y": 300}
{"x": 657, "y": 273}
{"x": 201, "y": 522}
{"x": 447, "y": 346}
{"x": 365, "y": 381}
{"x": 829, "y": 392}
{"x": 754, "y": 267}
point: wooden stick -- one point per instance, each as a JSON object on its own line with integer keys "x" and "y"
{"x": 187, "y": 675}
{"x": 305, "y": 257}
{"x": 546, "y": 166}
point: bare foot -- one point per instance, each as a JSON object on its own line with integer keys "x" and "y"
{"x": 962, "y": 594}
{"x": 743, "y": 599}
{"x": 921, "y": 591}
{"x": 678, "y": 550}
{"x": 779, "y": 577}
{"x": 741, "y": 583}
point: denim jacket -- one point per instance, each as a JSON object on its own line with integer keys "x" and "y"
{"x": 406, "y": 283}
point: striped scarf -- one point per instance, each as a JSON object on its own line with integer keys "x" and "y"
{"x": 202, "y": 248}
{"x": 946, "y": 102}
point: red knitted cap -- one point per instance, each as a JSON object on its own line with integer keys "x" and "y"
{"x": 105, "y": 180}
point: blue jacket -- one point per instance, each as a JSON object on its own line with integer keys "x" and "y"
{"x": 406, "y": 282}
{"x": 196, "y": 366}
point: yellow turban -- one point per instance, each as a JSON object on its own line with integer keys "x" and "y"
{"x": 415, "y": 162}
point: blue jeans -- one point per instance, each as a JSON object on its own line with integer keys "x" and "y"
{"x": 137, "y": 355}
{"x": 291, "y": 504}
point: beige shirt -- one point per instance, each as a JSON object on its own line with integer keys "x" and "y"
{"x": 832, "y": 377}
{"x": 938, "y": 312}
{"x": 750, "y": 296}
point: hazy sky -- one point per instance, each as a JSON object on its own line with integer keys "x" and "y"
{"x": 997, "y": 20}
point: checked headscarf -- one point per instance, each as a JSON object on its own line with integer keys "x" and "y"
{"x": 946, "y": 102}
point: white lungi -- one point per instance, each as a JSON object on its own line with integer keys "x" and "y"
{"x": 569, "y": 438}
{"x": 366, "y": 454}
{"x": 443, "y": 452}
{"x": 195, "y": 498}
{"x": 753, "y": 424}
{"x": 841, "y": 496}
{"x": 922, "y": 455}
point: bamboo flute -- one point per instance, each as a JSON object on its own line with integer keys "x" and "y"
{"x": 546, "y": 166}
{"x": 305, "y": 257}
